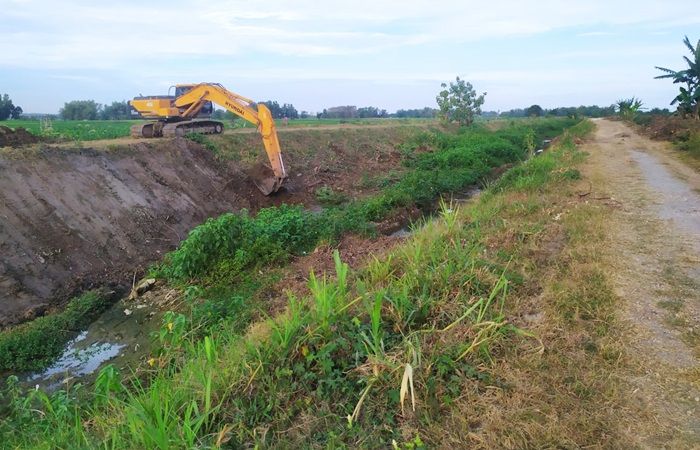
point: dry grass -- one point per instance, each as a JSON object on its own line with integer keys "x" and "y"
{"x": 560, "y": 389}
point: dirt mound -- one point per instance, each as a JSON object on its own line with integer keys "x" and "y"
{"x": 74, "y": 219}
{"x": 670, "y": 127}
{"x": 16, "y": 137}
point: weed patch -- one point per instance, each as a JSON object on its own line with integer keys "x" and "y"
{"x": 34, "y": 345}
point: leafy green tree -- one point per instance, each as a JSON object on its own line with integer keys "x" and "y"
{"x": 340, "y": 112}
{"x": 80, "y": 110}
{"x": 534, "y": 111}
{"x": 688, "y": 99}
{"x": 116, "y": 111}
{"x": 459, "y": 102}
{"x": 7, "y": 109}
{"x": 629, "y": 108}
{"x": 223, "y": 114}
{"x": 426, "y": 112}
{"x": 370, "y": 111}
{"x": 281, "y": 111}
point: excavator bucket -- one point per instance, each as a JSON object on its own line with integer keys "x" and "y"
{"x": 265, "y": 179}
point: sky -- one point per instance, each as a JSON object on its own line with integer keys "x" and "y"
{"x": 313, "y": 54}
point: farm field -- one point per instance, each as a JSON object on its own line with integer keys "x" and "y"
{"x": 92, "y": 130}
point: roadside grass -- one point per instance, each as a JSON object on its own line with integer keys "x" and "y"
{"x": 493, "y": 326}
{"x": 689, "y": 145}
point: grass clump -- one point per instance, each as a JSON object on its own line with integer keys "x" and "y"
{"x": 327, "y": 196}
{"x": 34, "y": 345}
{"x": 233, "y": 242}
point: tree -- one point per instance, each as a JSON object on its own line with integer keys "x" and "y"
{"x": 7, "y": 109}
{"x": 279, "y": 112}
{"x": 420, "y": 113}
{"x": 370, "y": 112}
{"x": 80, "y": 110}
{"x": 340, "y": 112}
{"x": 628, "y": 108}
{"x": 459, "y": 103}
{"x": 116, "y": 111}
{"x": 534, "y": 111}
{"x": 688, "y": 99}
{"x": 289, "y": 111}
{"x": 224, "y": 114}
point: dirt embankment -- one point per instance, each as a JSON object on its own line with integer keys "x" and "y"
{"x": 16, "y": 138}
{"x": 70, "y": 220}
{"x": 73, "y": 219}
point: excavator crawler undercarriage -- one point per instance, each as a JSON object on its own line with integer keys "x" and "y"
{"x": 173, "y": 129}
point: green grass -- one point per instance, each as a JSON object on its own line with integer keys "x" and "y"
{"x": 34, "y": 345}
{"x": 384, "y": 354}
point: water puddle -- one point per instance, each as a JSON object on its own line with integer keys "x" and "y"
{"x": 121, "y": 335}
{"x": 401, "y": 233}
{"x": 468, "y": 195}
{"x": 679, "y": 203}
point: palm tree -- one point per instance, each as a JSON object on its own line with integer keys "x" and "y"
{"x": 689, "y": 97}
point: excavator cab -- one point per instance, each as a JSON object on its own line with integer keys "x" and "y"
{"x": 207, "y": 107}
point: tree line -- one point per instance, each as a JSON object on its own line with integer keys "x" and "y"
{"x": 91, "y": 110}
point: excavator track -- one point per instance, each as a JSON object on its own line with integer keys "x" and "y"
{"x": 161, "y": 129}
{"x": 203, "y": 126}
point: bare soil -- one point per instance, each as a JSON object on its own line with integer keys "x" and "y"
{"x": 654, "y": 245}
{"x": 74, "y": 219}
{"x": 670, "y": 128}
{"x": 16, "y": 138}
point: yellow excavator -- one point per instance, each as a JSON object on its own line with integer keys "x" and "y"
{"x": 189, "y": 111}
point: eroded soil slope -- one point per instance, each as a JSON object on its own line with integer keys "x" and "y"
{"x": 73, "y": 219}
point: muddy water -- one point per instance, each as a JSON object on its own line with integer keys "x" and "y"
{"x": 680, "y": 204}
{"x": 120, "y": 336}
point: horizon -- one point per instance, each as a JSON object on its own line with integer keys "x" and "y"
{"x": 383, "y": 54}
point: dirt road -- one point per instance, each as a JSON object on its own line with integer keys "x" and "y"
{"x": 654, "y": 259}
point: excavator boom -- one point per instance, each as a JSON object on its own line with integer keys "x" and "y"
{"x": 178, "y": 114}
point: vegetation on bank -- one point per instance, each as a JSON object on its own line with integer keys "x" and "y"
{"x": 458, "y": 160}
{"x": 428, "y": 345}
{"x": 34, "y": 345}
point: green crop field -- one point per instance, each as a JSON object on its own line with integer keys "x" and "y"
{"x": 91, "y": 130}
{"x": 76, "y": 130}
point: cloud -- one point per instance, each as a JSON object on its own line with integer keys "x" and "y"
{"x": 81, "y": 34}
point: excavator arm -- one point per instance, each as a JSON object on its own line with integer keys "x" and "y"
{"x": 195, "y": 98}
